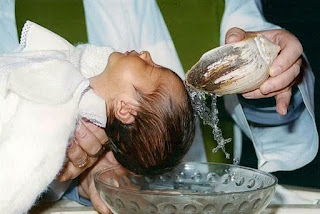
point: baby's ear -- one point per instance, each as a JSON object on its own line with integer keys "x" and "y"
{"x": 126, "y": 111}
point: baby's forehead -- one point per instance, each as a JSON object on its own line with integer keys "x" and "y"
{"x": 167, "y": 75}
{"x": 173, "y": 83}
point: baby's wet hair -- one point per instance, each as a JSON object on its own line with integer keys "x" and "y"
{"x": 161, "y": 134}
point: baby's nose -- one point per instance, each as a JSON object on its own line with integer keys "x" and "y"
{"x": 133, "y": 52}
{"x": 145, "y": 55}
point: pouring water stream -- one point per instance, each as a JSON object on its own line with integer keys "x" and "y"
{"x": 209, "y": 115}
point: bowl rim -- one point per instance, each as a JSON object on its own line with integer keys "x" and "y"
{"x": 275, "y": 181}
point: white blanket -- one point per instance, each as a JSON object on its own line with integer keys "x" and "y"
{"x": 41, "y": 86}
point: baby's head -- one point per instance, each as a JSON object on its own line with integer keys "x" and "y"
{"x": 150, "y": 117}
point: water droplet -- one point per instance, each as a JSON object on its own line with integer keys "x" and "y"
{"x": 212, "y": 178}
{"x": 236, "y": 161}
{"x": 196, "y": 176}
{"x": 165, "y": 177}
{"x": 232, "y": 176}
{"x": 179, "y": 185}
{"x": 181, "y": 176}
{"x": 225, "y": 179}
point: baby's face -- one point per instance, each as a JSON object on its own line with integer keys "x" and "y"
{"x": 138, "y": 70}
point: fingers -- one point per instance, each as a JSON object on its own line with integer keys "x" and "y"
{"x": 282, "y": 80}
{"x": 282, "y": 97}
{"x": 76, "y": 155}
{"x": 87, "y": 188}
{"x": 88, "y": 141}
{"x": 99, "y": 133}
{"x": 70, "y": 171}
{"x": 92, "y": 194}
{"x": 78, "y": 162}
{"x": 283, "y": 101}
{"x": 276, "y": 85}
{"x": 291, "y": 50}
{"x": 84, "y": 150}
{"x": 284, "y": 69}
{"x": 235, "y": 35}
{"x": 98, "y": 204}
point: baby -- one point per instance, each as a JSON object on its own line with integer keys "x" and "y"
{"x": 150, "y": 117}
{"x": 48, "y": 84}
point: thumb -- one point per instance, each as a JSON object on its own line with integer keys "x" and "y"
{"x": 235, "y": 35}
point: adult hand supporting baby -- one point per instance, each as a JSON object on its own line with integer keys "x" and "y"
{"x": 284, "y": 70}
{"x": 87, "y": 187}
{"x": 84, "y": 149}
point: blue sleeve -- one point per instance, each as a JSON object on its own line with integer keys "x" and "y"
{"x": 8, "y": 28}
{"x": 73, "y": 194}
{"x": 263, "y": 111}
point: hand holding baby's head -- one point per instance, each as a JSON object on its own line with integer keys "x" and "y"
{"x": 150, "y": 117}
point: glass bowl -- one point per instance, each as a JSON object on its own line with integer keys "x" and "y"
{"x": 190, "y": 188}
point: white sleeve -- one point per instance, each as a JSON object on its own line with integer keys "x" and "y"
{"x": 244, "y": 14}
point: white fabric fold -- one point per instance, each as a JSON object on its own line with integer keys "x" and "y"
{"x": 93, "y": 108}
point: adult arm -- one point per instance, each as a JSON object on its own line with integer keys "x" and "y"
{"x": 276, "y": 145}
